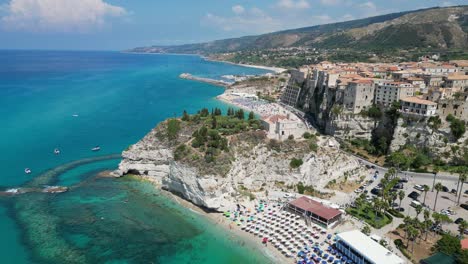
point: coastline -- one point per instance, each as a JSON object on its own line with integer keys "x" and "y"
{"x": 276, "y": 70}
{"x": 218, "y": 219}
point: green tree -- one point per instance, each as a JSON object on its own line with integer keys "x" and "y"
{"x": 438, "y": 188}
{"x": 462, "y": 177}
{"x": 240, "y": 114}
{"x": 366, "y": 230}
{"x": 458, "y": 128}
{"x": 173, "y": 128}
{"x": 399, "y": 160}
{"x": 296, "y": 163}
{"x": 374, "y": 112}
{"x": 425, "y": 189}
{"x": 462, "y": 226}
{"x": 434, "y": 123}
{"x": 412, "y": 235}
{"x": 418, "y": 210}
{"x": 214, "y": 122}
{"x": 251, "y": 115}
{"x": 401, "y": 196}
{"x": 462, "y": 257}
{"x": 185, "y": 116}
{"x": 448, "y": 244}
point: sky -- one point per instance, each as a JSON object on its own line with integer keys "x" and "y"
{"x": 123, "y": 24}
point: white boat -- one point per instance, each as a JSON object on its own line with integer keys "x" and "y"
{"x": 96, "y": 148}
{"x": 27, "y": 171}
{"x": 75, "y": 115}
{"x": 56, "y": 151}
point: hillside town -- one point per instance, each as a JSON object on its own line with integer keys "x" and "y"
{"x": 426, "y": 102}
{"x": 424, "y": 89}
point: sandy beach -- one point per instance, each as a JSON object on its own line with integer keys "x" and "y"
{"x": 231, "y": 228}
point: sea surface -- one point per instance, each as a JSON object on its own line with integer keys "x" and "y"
{"x": 75, "y": 101}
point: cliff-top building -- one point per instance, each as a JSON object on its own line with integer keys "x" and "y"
{"x": 358, "y": 95}
{"x": 418, "y": 107}
{"x": 388, "y": 92}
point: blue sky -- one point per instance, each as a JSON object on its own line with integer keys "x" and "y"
{"x": 121, "y": 24}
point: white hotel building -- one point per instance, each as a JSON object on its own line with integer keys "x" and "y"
{"x": 388, "y": 92}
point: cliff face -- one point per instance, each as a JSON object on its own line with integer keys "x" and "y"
{"x": 257, "y": 166}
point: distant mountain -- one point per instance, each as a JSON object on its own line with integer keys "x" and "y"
{"x": 439, "y": 28}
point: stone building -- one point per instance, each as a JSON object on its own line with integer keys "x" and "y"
{"x": 388, "y": 92}
{"x": 358, "y": 95}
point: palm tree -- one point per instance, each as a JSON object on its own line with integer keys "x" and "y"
{"x": 461, "y": 227}
{"x": 425, "y": 189}
{"x": 401, "y": 196}
{"x": 412, "y": 234}
{"x": 438, "y": 188}
{"x": 462, "y": 178}
{"x": 392, "y": 172}
{"x": 427, "y": 224}
{"x": 418, "y": 210}
{"x": 366, "y": 230}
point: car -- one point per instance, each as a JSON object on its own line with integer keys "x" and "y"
{"x": 366, "y": 191}
{"x": 376, "y": 172}
{"x": 400, "y": 209}
{"x": 370, "y": 181}
{"x": 358, "y": 191}
{"x": 403, "y": 180}
{"x": 376, "y": 191}
{"x": 459, "y": 220}
{"x": 395, "y": 204}
{"x": 361, "y": 187}
{"x": 287, "y": 195}
{"x": 453, "y": 191}
{"x": 398, "y": 186}
{"x": 464, "y": 206}
{"x": 419, "y": 187}
{"x": 466, "y": 192}
{"x": 413, "y": 195}
{"x": 445, "y": 189}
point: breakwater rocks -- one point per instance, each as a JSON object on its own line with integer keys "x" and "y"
{"x": 188, "y": 76}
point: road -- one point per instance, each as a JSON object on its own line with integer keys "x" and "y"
{"x": 441, "y": 176}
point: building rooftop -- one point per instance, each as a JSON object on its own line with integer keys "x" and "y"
{"x": 458, "y": 77}
{"x": 315, "y": 207}
{"x": 464, "y": 243}
{"x": 367, "y": 247}
{"x": 439, "y": 258}
{"x": 418, "y": 100}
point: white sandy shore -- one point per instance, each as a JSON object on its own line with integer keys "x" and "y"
{"x": 235, "y": 232}
{"x": 274, "y": 69}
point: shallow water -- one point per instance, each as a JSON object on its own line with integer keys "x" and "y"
{"x": 118, "y": 98}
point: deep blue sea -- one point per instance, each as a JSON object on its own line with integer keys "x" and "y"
{"x": 117, "y": 98}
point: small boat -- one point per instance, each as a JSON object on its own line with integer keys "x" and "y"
{"x": 56, "y": 151}
{"x": 96, "y": 148}
{"x": 27, "y": 171}
{"x": 75, "y": 115}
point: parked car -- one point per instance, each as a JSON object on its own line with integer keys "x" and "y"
{"x": 413, "y": 195}
{"x": 419, "y": 187}
{"x": 358, "y": 191}
{"x": 464, "y": 206}
{"x": 445, "y": 189}
{"x": 400, "y": 209}
{"x": 415, "y": 204}
{"x": 459, "y": 220}
{"x": 466, "y": 192}
{"x": 376, "y": 191}
{"x": 453, "y": 191}
{"x": 403, "y": 180}
{"x": 398, "y": 186}
{"x": 366, "y": 191}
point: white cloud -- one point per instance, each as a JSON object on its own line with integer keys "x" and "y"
{"x": 293, "y": 4}
{"x": 348, "y": 17}
{"x": 252, "y": 20}
{"x": 446, "y": 3}
{"x": 58, "y": 15}
{"x": 330, "y": 2}
{"x": 368, "y": 5}
{"x": 238, "y": 9}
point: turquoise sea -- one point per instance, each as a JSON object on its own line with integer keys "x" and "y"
{"x": 117, "y": 98}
